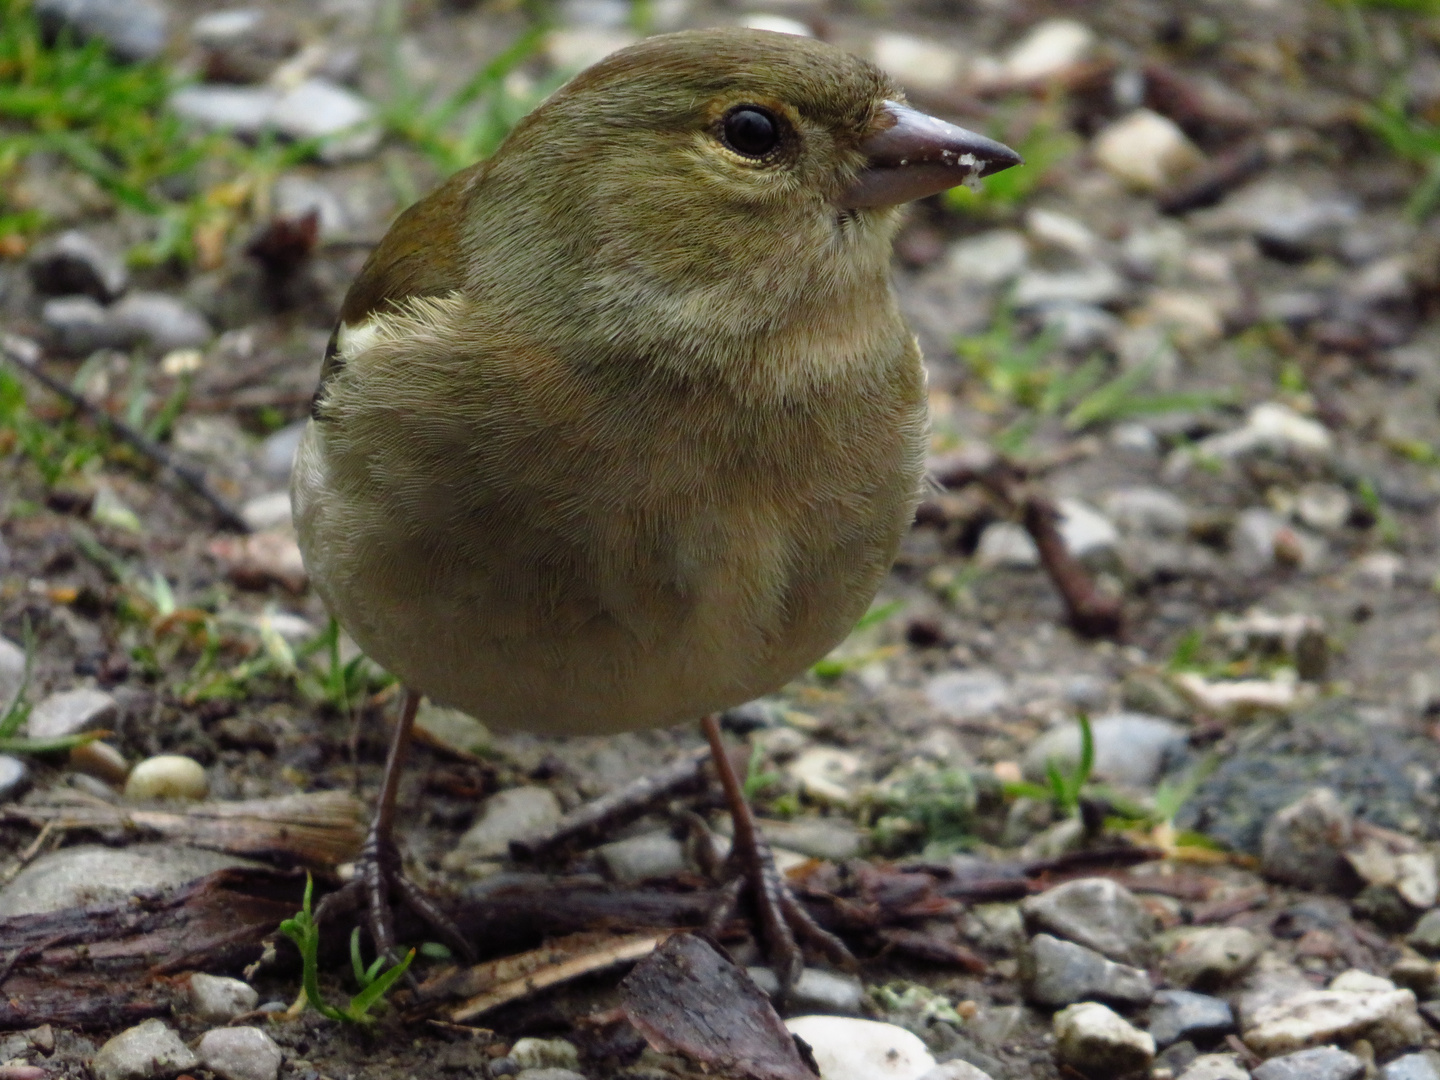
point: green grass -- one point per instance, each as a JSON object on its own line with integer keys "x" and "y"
{"x": 17, "y": 710}
{"x": 1414, "y": 139}
{"x": 1063, "y": 785}
{"x": 374, "y": 980}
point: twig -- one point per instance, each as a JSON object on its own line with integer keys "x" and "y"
{"x": 629, "y": 800}
{"x": 25, "y": 355}
{"x": 24, "y": 858}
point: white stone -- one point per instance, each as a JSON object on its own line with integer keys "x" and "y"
{"x": 545, "y": 1054}
{"x": 1054, "y": 229}
{"x": 217, "y": 999}
{"x": 918, "y": 62}
{"x": 1242, "y": 696}
{"x": 1048, "y": 49}
{"x": 827, "y": 773}
{"x": 1323, "y": 1016}
{"x": 1190, "y": 319}
{"x": 1147, "y": 510}
{"x": 956, "y": 1070}
{"x": 1007, "y": 545}
{"x": 167, "y": 776}
{"x": 1417, "y": 881}
{"x": 267, "y": 511}
{"x": 849, "y": 1049}
{"x": 1356, "y": 981}
{"x": 989, "y": 258}
{"x": 1099, "y": 1042}
{"x": 650, "y": 855}
{"x": 968, "y": 695}
{"x": 1325, "y": 507}
{"x": 1084, "y": 529}
{"x": 572, "y": 50}
{"x": 1146, "y": 150}
{"x": 244, "y": 110}
{"x": 240, "y": 1053}
{"x": 146, "y": 1051}
{"x": 1096, "y": 283}
{"x": 776, "y": 24}
{"x": 70, "y": 712}
{"x": 1216, "y": 1067}
{"x": 320, "y": 109}
{"x": 1273, "y": 428}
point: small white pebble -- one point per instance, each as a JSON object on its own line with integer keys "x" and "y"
{"x": 167, "y": 776}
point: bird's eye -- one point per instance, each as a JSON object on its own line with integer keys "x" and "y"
{"x": 751, "y": 131}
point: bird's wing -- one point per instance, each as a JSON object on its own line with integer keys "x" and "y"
{"x": 420, "y": 256}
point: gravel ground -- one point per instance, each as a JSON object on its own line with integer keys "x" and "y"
{"x": 1201, "y": 321}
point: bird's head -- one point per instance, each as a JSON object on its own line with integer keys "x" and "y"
{"x": 718, "y": 181}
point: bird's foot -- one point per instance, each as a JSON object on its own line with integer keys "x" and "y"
{"x": 784, "y": 923}
{"x": 379, "y": 885}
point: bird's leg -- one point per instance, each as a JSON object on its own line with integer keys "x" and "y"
{"x": 780, "y": 914}
{"x": 378, "y": 871}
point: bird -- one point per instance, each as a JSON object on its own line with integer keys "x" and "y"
{"x": 621, "y": 426}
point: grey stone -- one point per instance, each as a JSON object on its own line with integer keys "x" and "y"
{"x": 1177, "y": 1057}
{"x": 1097, "y": 913}
{"x": 833, "y": 838}
{"x": 1304, "y": 843}
{"x": 968, "y": 695}
{"x": 1080, "y": 327}
{"x": 534, "y": 1053}
{"x": 1318, "y": 1063}
{"x": 990, "y": 258}
{"x": 650, "y": 855}
{"x": 74, "y": 263}
{"x": 507, "y": 815}
{"x": 72, "y": 712}
{"x": 243, "y": 110}
{"x": 1096, "y": 284}
{"x": 1098, "y": 1042}
{"x": 817, "y": 990}
{"x": 12, "y": 671}
{"x": 277, "y": 452}
{"x": 240, "y": 1053}
{"x": 91, "y": 874}
{"x": 162, "y": 321}
{"x": 1287, "y": 218}
{"x": 320, "y": 109}
{"x": 79, "y": 325}
{"x": 1131, "y": 749}
{"x": 1211, "y": 956}
{"x": 1055, "y": 972}
{"x": 1426, "y": 935}
{"x": 1216, "y": 1067}
{"x": 1148, "y": 510}
{"x": 1422, "y": 1066}
{"x": 1087, "y": 533}
{"x": 132, "y": 29}
{"x": 14, "y": 776}
{"x": 217, "y": 999}
{"x": 1007, "y": 545}
{"x": 147, "y": 1051}
{"x": 1180, "y": 1014}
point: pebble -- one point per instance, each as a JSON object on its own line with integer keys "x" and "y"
{"x": 167, "y": 776}
{"x": 1099, "y": 1042}
{"x": 968, "y": 695}
{"x": 989, "y": 259}
{"x": 295, "y": 196}
{"x": 240, "y": 1053}
{"x": 1304, "y": 843}
{"x": 1319, "y": 1063}
{"x": 1096, "y": 284}
{"x": 1422, "y": 1066}
{"x": 1145, "y": 150}
{"x": 1323, "y": 507}
{"x": 918, "y": 62}
{"x": 545, "y": 1054}
{"x": 12, "y": 671}
{"x": 99, "y": 760}
{"x": 1080, "y": 327}
{"x": 453, "y": 728}
{"x": 261, "y": 559}
{"x": 72, "y": 712}
{"x": 1131, "y": 749}
{"x": 1426, "y": 935}
{"x": 1216, "y": 1067}
{"x": 1048, "y": 50}
{"x": 1271, "y": 428}
{"x": 244, "y": 110}
{"x": 1085, "y": 531}
{"x": 1181, "y": 1014}
{"x": 1286, "y": 218}
{"x": 79, "y": 325}
{"x": 847, "y": 1048}
{"x": 548, "y": 1074}
{"x": 1263, "y": 539}
{"x": 267, "y": 511}
{"x": 217, "y": 999}
{"x": 833, "y": 838}
{"x": 93, "y": 874}
{"x": 1097, "y": 913}
{"x": 827, "y": 773}
{"x": 1055, "y": 972}
{"x": 1319, "y": 1016}
{"x": 162, "y": 321}
{"x": 75, "y": 263}
{"x": 817, "y": 989}
{"x": 638, "y": 858}
{"x": 507, "y": 815}
{"x": 145, "y": 1051}
{"x": 277, "y": 452}
{"x": 14, "y": 776}
{"x": 132, "y": 29}
{"x": 1006, "y": 545}
{"x": 315, "y": 108}
{"x": 1211, "y": 956}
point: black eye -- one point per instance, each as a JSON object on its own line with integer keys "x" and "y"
{"x": 751, "y": 131}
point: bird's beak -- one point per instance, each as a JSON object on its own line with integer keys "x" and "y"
{"x": 918, "y": 155}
